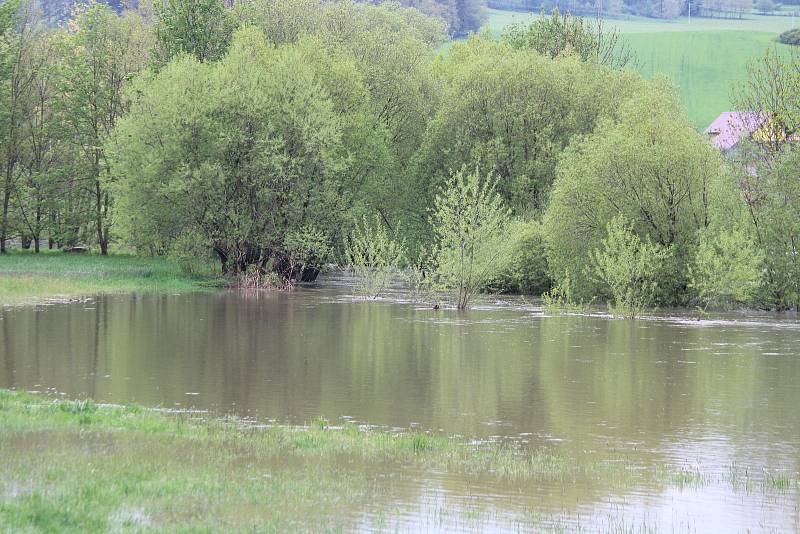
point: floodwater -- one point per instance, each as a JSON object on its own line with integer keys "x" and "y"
{"x": 704, "y": 396}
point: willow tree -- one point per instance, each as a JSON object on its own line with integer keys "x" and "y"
{"x": 242, "y": 153}
{"x": 650, "y": 166}
{"x": 511, "y": 113}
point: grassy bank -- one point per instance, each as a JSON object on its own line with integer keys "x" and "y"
{"x": 27, "y": 277}
{"x": 705, "y": 58}
{"x": 73, "y": 466}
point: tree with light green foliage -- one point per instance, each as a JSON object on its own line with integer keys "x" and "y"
{"x": 201, "y": 28}
{"x": 774, "y": 209}
{"x": 375, "y": 255}
{"x": 561, "y": 34}
{"x": 650, "y": 166}
{"x": 392, "y": 49}
{"x": 629, "y": 267}
{"x": 511, "y": 113}
{"x": 247, "y": 151}
{"x": 728, "y": 268}
{"x": 470, "y": 222}
{"x": 18, "y": 33}
{"x": 98, "y": 57}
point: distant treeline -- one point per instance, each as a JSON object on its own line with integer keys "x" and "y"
{"x": 461, "y": 16}
{"x": 667, "y": 9}
{"x": 272, "y": 137}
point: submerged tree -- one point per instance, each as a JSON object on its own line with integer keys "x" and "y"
{"x": 470, "y": 221}
{"x": 375, "y": 254}
{"x": 629, "y": 267}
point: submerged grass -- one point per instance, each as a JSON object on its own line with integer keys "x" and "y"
{"x": 28, "y": 277}
{"x": 77, "y": 466}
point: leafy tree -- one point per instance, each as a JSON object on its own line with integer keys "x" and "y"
{"x": 770, "y": 93}
{"x": 99, "y": 56}
{"x": 391, "y": 48}
{"x": 375, "y": 255}
{"x": 511, "y": 113}
{"x": 526, "y": 271}
{"x": 44, "y": 152}
{"x": 561, "y": 34}
{"x": 727, "y": 268}
{"x": 774, "y": 210}
{"x": 650, "y": 166}
{"x": 202, "y": 28}
{"x": 470, "y": 221}
{"x": 629, "y": 267}
{"x": 245, "y": 151}
{"x": 307, "y": 251}
{"x": 18, "y": 29}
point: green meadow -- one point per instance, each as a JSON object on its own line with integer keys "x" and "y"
{"x": 75, "y": 466}
{"x": 26, "y": 277}
{"x": 704, "y": 58}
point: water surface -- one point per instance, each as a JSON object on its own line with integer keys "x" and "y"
{"x": 705, "y": 396}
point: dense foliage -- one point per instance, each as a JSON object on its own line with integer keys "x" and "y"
{"x": 790, "y": 37}
{"x": 275, "y": 136}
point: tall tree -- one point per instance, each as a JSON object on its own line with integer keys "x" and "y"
{"x": 100, "y": 55}
{"x": 650, "y": 166}
{"x": 19, "y": 26}
{"x": 201, "y": 28}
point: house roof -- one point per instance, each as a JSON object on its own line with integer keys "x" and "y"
{"x": 732, "y": 126}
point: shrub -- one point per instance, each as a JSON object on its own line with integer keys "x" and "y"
{"x": 765, "y": 6}
{"x": 790, "y": 37}
{"x": 470, "y": 223}
{"x": 629, "y": 267}
{"x": 191, "y": 252}
{"x": 307, "y": 250}
{"x": 526, "y": 272}
{"x": 727, "y": 269}
{"x": 374, "y": 254}
{"x": 561, "y": 299}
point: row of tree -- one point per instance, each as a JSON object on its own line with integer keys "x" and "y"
{"x": 664, "y": 9}
{"x": 262, "y": 136}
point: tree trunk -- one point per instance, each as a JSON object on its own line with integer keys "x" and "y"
{"x": 102, "y": 237}
{"x": 6, "y": 201}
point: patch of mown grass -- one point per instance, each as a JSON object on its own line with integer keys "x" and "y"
{"x": 28, "y": 277}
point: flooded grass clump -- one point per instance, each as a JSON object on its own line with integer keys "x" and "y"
{"x": 79, "y": 466}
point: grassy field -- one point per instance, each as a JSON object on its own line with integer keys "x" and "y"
{"x": 705, "y": 58}
{"x": 74, "y": 466}
{"x": 27, "y": 277}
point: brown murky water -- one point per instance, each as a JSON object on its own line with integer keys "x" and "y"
{"x": 700, "y": 395}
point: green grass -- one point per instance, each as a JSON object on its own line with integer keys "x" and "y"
{"x": 705, "y": 58}
{"x": 76, "y": 466}
{"x": 27, "y": 277}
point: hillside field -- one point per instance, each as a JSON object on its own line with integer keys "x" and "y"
{"x": 705, "y": 58}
